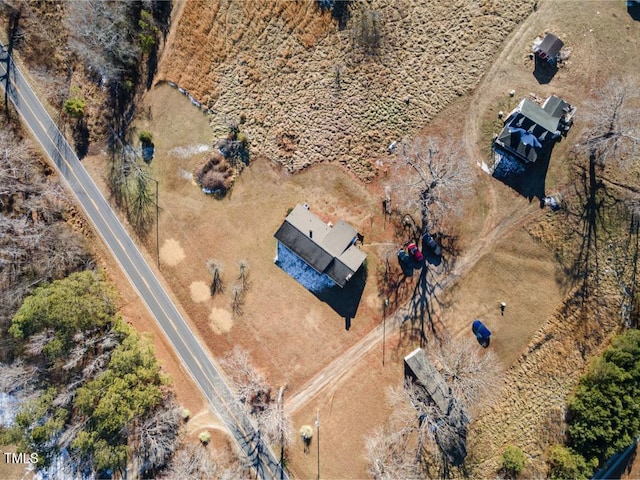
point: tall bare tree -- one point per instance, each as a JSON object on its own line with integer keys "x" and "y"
{"x": 103, "y": 35}
{"x": 613, "y": 125}
{"x": 471, "y": 373}
{"x": 254, "y": 393}
{"x": 436, "y": 181}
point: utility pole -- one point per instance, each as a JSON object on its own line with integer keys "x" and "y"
{"x": 318, "y": 439}
{"x": 385, "y": 304}
{"x": 157, "y": 221}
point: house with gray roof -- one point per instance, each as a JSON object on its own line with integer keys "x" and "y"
{"x": 328, "y": 249}
{"x": 530, "y": 128}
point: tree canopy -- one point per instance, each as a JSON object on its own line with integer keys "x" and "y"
{"x": 130, "y": 387}
{"x": 81, "y": 301}
{"x": 604, "y": 413}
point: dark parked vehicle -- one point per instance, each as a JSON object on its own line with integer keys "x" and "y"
{"x": 405, "y": 263}
{"x": 430, "y": 242}
{"x": 482, "y": 333}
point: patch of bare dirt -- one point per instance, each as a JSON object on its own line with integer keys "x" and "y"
{"x": 199, "y": 291}
{"x": 221, "y": 320}
{"x": 308, "y": 91}
{"x": 171, "y": 253}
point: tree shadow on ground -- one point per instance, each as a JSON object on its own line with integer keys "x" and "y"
{"x": 595, "y": 203}
{"x": 419, "y": 324}
{"x": 528, "y": 179}
{"x": 345, "y": 301}
{"x": 544, "y": 71}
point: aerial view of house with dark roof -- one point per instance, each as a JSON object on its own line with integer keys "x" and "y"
{"x": 329, "y": 250}
{"x": 529, "y": 128}
{"x": 549, "y": 48}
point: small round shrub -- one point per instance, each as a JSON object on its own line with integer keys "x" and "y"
{"x": 306, "y": 433}
{"x": 186, "y": 414}
{"x": 146, "y": 138}
{"x": 75, "y": 107}
{"x": 513, "y": 460}
{"x": 204, "y": 437}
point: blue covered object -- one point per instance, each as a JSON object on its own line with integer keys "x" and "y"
{"x": 305, "y": 275}
{"x": 526, "y": 138}
{"x": 481, "y": 332}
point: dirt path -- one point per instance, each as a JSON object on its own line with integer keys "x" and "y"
{"x": 498, "y": 224}
{"x": 343, "y": 364}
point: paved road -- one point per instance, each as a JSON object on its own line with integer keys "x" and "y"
{"x": 196, "y": 359}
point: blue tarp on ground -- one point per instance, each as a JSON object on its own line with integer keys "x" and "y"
{"x": 301, "y": 272}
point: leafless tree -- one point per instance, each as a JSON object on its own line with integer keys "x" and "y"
{"x": 251, "y": 386}
{"x": 243, "y": 277}
{"x": 192, "y": 461}
{"x": 35, "y": 244}
{"x": 613, "y": 131}
{"x": 237, "y": 293}
{"x": 215, "y": 269}
{"x": 419, "y": 439}
{"x": 16, "y": 377}
{"x": 156, "y": 437}
{"x": 471, "y": 373}
{"x": 102, "y": 34}
{"x": 38, "y": 341}
{"x": 277, "y": 424}
{"x": 404, "y": 447}
{"x": 140, "y": 202}
{"x": 437, "y": 179}
{"x": 255, "y": 394}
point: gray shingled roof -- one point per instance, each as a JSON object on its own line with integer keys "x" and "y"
{"x": 326, "y": 249}
{"x": 542, "y": 122}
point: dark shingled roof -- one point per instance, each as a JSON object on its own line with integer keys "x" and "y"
{"x": 551, "y": 46}
{"x": 542, "y": 122}
{"x": 328, "y": 250}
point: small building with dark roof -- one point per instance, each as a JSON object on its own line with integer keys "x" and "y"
{"x": 530, "y": 127}
{"x": 451, "y": 428}
{"x": 549, "y": 48}
{"x": 329, "y": 250}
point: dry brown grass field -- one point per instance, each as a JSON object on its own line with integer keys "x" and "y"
{"x": 291, "y": 91}
{"x": 319, "y": 116}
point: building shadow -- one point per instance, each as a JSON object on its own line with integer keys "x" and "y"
{"x": 528, "y": 179}
{"x": 345, "y": 301}
{"x": 544, "y": 71}
{"x": 633, "y": 9}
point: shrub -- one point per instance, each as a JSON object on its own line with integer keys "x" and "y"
{"x": 204, "y": 437}
{"x": 306, "y": 433}
{"x": 214, "y": 181}
{"x": 75, "y": 107}
{"x": 565, "y": 463}
{"x": 513, "y": 460}
{"x": 146, "y": 138}
{"x": 186, "y": 414}
{"x": 216, "y": 176}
